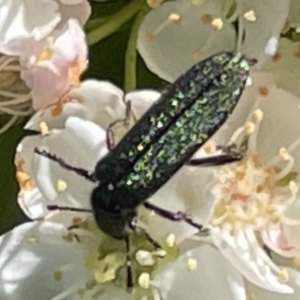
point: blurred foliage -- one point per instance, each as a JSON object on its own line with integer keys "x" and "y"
{"x": 106, "y": 61}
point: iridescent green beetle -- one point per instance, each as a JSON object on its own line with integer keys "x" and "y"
{"x": 186, "y": 115}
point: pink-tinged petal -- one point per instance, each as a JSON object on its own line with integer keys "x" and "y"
{"x": 278, "y": 240}
{"x": 244, "y": 252}
{"x": 97, "y": 101}
{"x": 23, "y": 22}
{"x": 56, "y": 66}
{"x": 199, "y": 273}
{"x": 75, "y": 9}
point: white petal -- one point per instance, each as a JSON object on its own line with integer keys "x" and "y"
{"x": 169, "y": 47}
{"x": 287, "y": 66}
{"x": 25, "y": 21}
{"x": 276, "y": 124}
{"x": 269, "y": 21}
{"x": 31, "y": 254}
{"x": 213, "y": 277}
{"x": 80, "y": 145}
{"x": 243, "y": 251}
{"x": 247, "y": 103}
{"x": 97, "y": 101}
{"x": 282, "y": 239}
{"x": 260, "y": 294}
{"x": 180, "y": 194}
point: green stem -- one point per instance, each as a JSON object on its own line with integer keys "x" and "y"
{"x": 131, "y": 54}
{"x": 115, "y": 21}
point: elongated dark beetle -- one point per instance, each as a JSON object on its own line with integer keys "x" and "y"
{"x": 186, "y": 115}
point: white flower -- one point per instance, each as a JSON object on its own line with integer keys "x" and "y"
{"x": 44, "y": 260}
{"x": 255, "y": 201}
{"x": 25, "y": 22}
{"x": 55, "y": 62}
{"x": 179, "y": 33}
{"x": 80, "y": 142}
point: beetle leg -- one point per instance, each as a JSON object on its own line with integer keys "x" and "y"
{"x": 216, "y": 160}
{"x": 175, "y": 217}
{"x": 110, "y": 138}
{"x": 133, "y": 224}
{"x": 79, "y": 171}
{"x": 129, "y": 281}
{"x": 230, "y": 154}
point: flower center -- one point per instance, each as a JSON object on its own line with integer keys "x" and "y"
{"x": 108, "y": 262}
{"x": 249, "y": 193}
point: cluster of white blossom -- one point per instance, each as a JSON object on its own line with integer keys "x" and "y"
{"x": 250, "y": 207}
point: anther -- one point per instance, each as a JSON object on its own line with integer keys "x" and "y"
{"x": 144, "y": 258}
{"x": 192, "y": 264}
{"x": 61, "y": 185}
{"x": 249, "y": 127}
{"x": 293, "y": 187}
{"x": 174, "y": 18}
{"x": 144, "y": 280}
{"x": 258, "y": 115}
{"x": 44, "y": 129}
{"x": 283, "y": 153}
{"x": 250, "y": 15}
{"x": 170, "y": 240}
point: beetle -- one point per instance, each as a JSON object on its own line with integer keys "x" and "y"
{"x": 163, "y": 140}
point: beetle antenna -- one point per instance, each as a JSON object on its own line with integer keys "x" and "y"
{"x": 79, "y": 171}
{"x": 69, "y": 208}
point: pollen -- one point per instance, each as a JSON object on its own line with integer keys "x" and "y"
{"x": 296, "y": 261}
{"x": 217, "y": 23}
{"x": 196, "y": 54}
{"x": 170, "y": 240}
{"x": 207, "y": 19}
{"x": 33, "y": 239}
{"x": 23, "y": 178}
{"x": 61, "y": 185}
{"x": 283, "y": 274}
{"x": 283, "y": 153}
{"x": 154, "y": 3}
{"x": 105, "y": 269}
{"x": 192, "y": 264}
{"x": 144, "y": 258}
{"x": 57, "y": 275}
{"x": 43, "y": 128}
{"x": 148, "y": 37}
{"x": 263, "y": 90}
{"x": 144, "y": 280}
{"x": 258, "y": 115}
{"x": 250, "y": 15}
{"x": 247, "y": 193}
{"x": 249, "y": 127}
{"x": 174, "y": 18}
